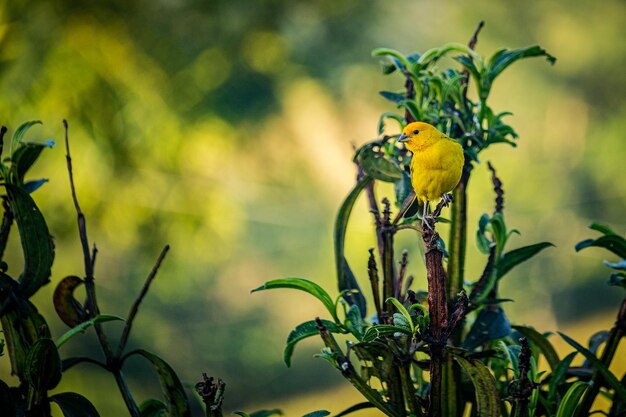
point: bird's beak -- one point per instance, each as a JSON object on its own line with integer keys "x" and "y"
{"x": 403, "y": 138}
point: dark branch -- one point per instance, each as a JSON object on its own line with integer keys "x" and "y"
{"x": 140, "y": 297}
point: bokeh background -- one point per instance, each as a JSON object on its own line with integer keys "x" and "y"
{"x": 225, "y": 128}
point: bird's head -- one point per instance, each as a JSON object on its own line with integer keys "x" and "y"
{"x": 416, "y": 135}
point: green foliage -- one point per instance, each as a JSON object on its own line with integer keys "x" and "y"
{"x": 303, "y": 331}
{"x": 407, "y": 338}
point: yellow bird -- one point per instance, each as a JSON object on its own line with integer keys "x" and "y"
{"x": 437, "y": 162}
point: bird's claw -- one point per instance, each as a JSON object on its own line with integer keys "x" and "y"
{"x": 447, "y": 199}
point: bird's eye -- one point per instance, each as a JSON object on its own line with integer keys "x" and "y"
{"x": 415, "y": 132}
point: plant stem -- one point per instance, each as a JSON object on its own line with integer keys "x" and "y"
{"x": 347, "y": 370}
{"x": 437, "y": 309}
{"x": 135, "y": 307}
{"x": 458, "y": 233}
{"x": 408, "y": 389}
{"x": 125, "y": 391}
{"x": 615, "y": 335}
{"x": 91, "y": 304}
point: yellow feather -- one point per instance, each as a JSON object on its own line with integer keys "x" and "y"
{"x": 437, "y": 161}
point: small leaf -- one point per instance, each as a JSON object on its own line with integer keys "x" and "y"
{"x": 597, "y": 364}
{"x": 393, "y": 97}
{"x": 558, "y": 375}
{"x": 402, "y": 310}
{"x": 374, "y": 332}
{"x": 614, "y": 243}
{"x": 25, "y": 156}
{"x": 80, "y": 328}
{"x": 67, "y": 307}
{"x": 401, "y": 60}
{"x": 389, "y": 115}
{"x": 153, "y": 408}
{"x": 570, "y": 400}
{"x": 377, "y": 165}
{"x": 515, "y": 257}
{"x": 621, "y": 265}
{"x": 618, "y": 279}
{"x": 542, "y": 343}
{"x": 267, "y": 413}
{"x": 36, "y": 242}
{"x": 403, "y": 188}
{"x": 355, "y": 407}
{"x": 42, "y": 368}
{"x": 171, "y": 386}
{"x": 74, "y": 405}
{"x": 303, "y": 331}
{"x": 32, "y": 186}
{"x": 18, "y": 136}
{"x": 68, "y": 363}
{"x": 487, "y": 400}
{"x": 602, "y": 228}
{"x": 318, "y": 413}
{"x": 354, "y": 322}
{"x": 491, "y": 324}
{"x": 347, "y": 282}
{"x": 302, "y": 285}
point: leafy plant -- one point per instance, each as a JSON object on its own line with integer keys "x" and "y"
{"x": 34, "y": 355}
{"x": 436, "y": 352}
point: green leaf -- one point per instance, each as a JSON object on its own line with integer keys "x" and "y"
{"x": 570, "y": 400}
{"x": 302, "y": 285}
{"x": 25, "y": 156}
{"x": 602, "y": 228}
{"x": 345, "y": 281}
{"x": 374, "y": 332}
{"x": 490, "y": 324}
{"x": 42, "y": 368}
{"x": 614, "y": 243}
{"x": 618, "y": 279}
{"x": 392, "y": 53}
{"x": 74, "y": 405}
{"x": 558, "y": 375}
{"x": 80, "y": 328}
{"x": 393, "y": 97}
{"x": 355, "y": 407}
{"x": 36, "y": 242}
{"x": 376, "y": 164}
{"x": 487, "y": 400}
{"x": 402, "y": 188}
{"x": 389, "y": 115}
{"x": 153, "y": 408}
{"x": 302, "y": 331}
{"x": 503, "y": 58}
{"x": 175, "y": 396}
{"x": 515, "y": 257}
{"x": 18, "y": 136}
{"x": 597, "y": 365}
{"x": 67, "y": 307}
{"x": 402, "y": 310}
{"x": 542, "y": 343}
{"x": 482, "y": 242}
{"x": 354, "y": 321}
{"x": 32, "y": 186}
{"x": 267, "y": 413}
{"x": 318, "y": 413}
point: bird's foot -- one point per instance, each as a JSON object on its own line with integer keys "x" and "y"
{"x": 447, "y": 198}
{"x": 426, "y": 222}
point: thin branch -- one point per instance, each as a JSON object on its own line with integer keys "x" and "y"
{"x": 82, "y": 226}
{"x": 372, "y": 270}
{"x": 140, "y": 297}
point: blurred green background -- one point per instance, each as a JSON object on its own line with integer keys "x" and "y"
{"x": 225, "y": 128}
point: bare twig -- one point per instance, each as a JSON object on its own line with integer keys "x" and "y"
{"x": 401, "y": 274}
{"x": 140, "y": 297}
{"x": 91, "y": 305}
